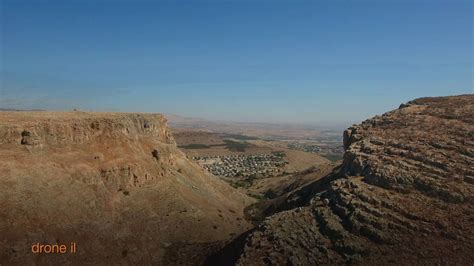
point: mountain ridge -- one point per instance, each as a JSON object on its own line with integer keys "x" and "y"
{"x": 411, "y": 205}
{"x": 114, "y": 183}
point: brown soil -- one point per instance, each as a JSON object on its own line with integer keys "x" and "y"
{"x": 114, "y": 183}
{"x": 403, "y": 195}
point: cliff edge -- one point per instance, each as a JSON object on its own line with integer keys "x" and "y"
{"x": 404, "y": 195}
{"x": 114, "y": 183}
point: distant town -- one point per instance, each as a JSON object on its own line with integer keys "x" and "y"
{"x": 304, "y": 147}
{"x": 332, "y": 150}
{"x": 262, "y": 165}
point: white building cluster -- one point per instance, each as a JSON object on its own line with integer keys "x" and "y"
{"x": 243, "y": 165}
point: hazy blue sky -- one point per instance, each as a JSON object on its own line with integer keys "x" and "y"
{"x": 297, "y": 61}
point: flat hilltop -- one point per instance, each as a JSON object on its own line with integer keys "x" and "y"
{"x": 16, "y": 117}
{"x": 114, "y": 183}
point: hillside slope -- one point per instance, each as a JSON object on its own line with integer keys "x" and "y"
{"x": 114, "y": 183}
{"x": 404, "y": 195}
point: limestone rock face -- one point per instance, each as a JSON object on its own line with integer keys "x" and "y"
{"x": 114, "y": 183}
{"x": 427, "y": 144}
{"x": 403, "y": 194}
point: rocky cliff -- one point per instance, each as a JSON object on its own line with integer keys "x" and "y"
{"x": 404, "y": 195}
{"x": 114, "y": 183}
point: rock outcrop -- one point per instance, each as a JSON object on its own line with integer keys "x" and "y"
{"x": 404, "y": 195}
{"x": 114, "y": 183}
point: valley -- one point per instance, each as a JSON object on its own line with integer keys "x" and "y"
{"x": 402, "y": 195}
{"x": 246, "y": 133}
{"x": 248, "y": 163}
{"x": 127, "y": 188}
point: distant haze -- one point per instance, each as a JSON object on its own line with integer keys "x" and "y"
{"x": 311, "y": 62}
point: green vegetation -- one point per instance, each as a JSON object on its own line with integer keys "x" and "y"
{"x": 236, "y": 145}
{"x": 239, "y": 137}
{"x": 246, "y": 183}
{"x": 270, "y": 194}
{"x": 333, "y": 157}
{"x": 279, "y": 153}
{"x": 257, "y": 196}
{"x": 266, "y": 196}
{"x": 229, "y": 144}
{"x": 195, "y": 146}
{"x": 241, "y": 183}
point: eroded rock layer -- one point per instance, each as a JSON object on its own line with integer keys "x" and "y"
{"x": 404, "y": 194}
{"x": 114, "y": 183}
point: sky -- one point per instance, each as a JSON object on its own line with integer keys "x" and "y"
{"x": 310, "y": 62}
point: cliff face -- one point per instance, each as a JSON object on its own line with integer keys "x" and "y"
{"x": 114, "y": 183}
{"x": 404, "y": 194}
{"x": 426, "y": 144}
{"x": 53, "y": 128}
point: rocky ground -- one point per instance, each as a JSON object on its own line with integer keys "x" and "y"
{"x": 403, "y": 195}
{"x": 114, "y": 183}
